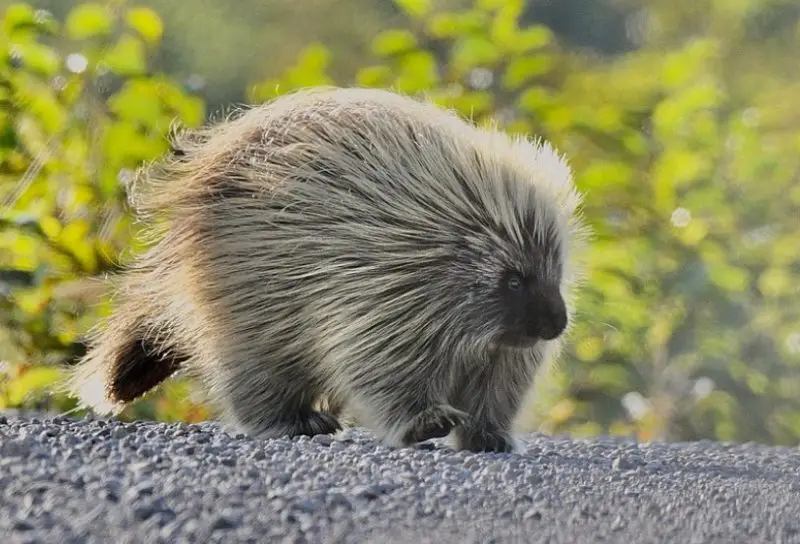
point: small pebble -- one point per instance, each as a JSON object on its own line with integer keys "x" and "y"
{"x": 626, "y": 462}
{"x": 322, "y": 439}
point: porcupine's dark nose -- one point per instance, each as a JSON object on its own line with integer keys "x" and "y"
{"x": 547, "y": 317}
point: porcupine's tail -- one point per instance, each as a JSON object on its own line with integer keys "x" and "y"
{"x": 127, "y": 356}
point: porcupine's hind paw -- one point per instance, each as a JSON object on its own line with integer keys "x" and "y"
{"x": 303, "y": 423}
{"x": 435, "y": 422}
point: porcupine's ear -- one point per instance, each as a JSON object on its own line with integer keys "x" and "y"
{"x": 176, "y": 151}
{"x": 181, "y": 140}
{"x": 177, "y": 143}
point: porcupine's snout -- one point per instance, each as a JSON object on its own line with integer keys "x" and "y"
{"x": 547, "y": 314}
{"x": 534, "y": 313}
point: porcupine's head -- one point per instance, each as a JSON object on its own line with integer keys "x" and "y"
{"x": 518, "y": 263}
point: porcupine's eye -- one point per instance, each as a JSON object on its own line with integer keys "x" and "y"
{"x": 514, "y": 282}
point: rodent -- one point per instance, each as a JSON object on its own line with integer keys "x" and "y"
{"x": 354, "y": 246}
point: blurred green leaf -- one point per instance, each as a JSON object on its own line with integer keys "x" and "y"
{"x": 474, "y": 51}
{"x": 310, "y": 69}
{"x": 605, "y": 175}
{"x": 493, "y": 5}
{"x": 393, "y": 41}
{"x": 611, "y": 378}
{"x": 146, "y": 22}
{"x": 414, "y": 8}
{"x": 776, "y": 282}
{"x": 522, "y": 69}
{"x": 18, "y": 15}
{"x": 504, "y": 29}
{"x": 536, "y": 99}
{"x": 444, "y": 25}
{"x": 534, "y": 37}
{"x": 418, "y": 71}
{"x": 37, "y": 57}
{"x": 89, "y": 20}
{"x": 32, "y": 381}
{"x": 127, "y": 57}
{"x": 137, "y": 101}
{"x": 729, "y": 278}
{"x": 373, "y": 76}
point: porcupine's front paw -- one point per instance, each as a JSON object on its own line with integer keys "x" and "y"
{"x": 435, "y": 422}
{"x": 483, "y": 439}
{"x": 313, "y": 422}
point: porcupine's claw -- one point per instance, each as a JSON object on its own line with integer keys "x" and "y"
{"x": 314, "y": 423}
{"x": 435, "y": 422}
{"x": 484, "y": 440}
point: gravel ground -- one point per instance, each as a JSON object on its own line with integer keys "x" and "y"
{"x": 65, "y": 481}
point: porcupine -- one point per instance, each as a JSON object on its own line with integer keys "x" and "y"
{"x": 349, "y": 244}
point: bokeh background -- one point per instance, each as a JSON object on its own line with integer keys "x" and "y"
{"x": 681, "y": 119}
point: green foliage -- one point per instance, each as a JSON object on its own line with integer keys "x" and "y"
{"x": 80, "y": 112}
{"x": 687, "y": 148}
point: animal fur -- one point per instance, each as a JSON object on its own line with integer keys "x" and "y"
{"x": 349, "y": 245}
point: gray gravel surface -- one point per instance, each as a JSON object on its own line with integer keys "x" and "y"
{"x": 64, "y": 481}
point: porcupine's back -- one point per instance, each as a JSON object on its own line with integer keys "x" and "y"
{"x": 347, "y": 210}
